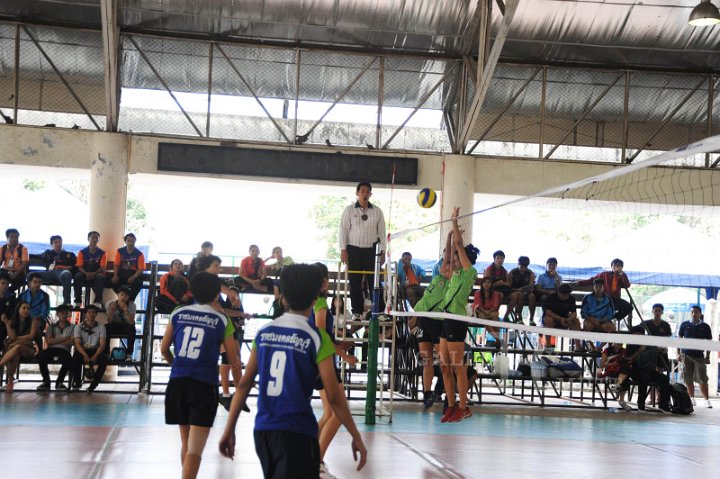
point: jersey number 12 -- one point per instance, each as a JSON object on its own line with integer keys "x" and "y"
{"x": 192, "y": 340}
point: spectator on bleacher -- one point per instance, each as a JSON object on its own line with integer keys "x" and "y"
{"x": 59, "y": 264}
{"x": 362, "y": 226}
{"x": 14, "y": 259}
{"x": 209, "y": 264}
{"x": 39, "y": 302}
{"x": 121, "y": 318}
{"x": 129, "y": 266}
{"x": 695, "y": 361}
{"x": 275, "y": 268}
{"x": 90, "y": 349}
{"x": 560, "y": 312}
{"x": 60, "y": 338}
{"x": 498, "y": 274}
{"x": 486, "y": 305}
{"x": 659, "y": 327}
{"x": 251, "y": 275}
{"x": 522, "y": 284}
{"x": 20, "y": 343}
{"x": 91, "y": 264}
{"x": 206, "y": 249}
{"x": 547, "y": 283}
{"x": 597, "y": 309}
{"x": 174, "y": 289}
{"x": 614, "y": 281}
{"x": 410, "y": 275}
{"x": 7, "y": 304}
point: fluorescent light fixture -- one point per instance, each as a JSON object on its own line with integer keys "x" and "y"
{"x": 705, "y": 14}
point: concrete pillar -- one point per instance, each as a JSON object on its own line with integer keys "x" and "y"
{"x": 108, "y": 189}
{"x": 458, "y": 190}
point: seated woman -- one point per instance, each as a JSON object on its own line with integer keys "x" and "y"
{"x": 275, "y": 267}
{"x": 121, "y": 318}
{"x": 206, "y": 250}
{"x": 251, "y": 275}
{"x": 21, "y": 330}
{"x": 129, "y": 266}
{"x": 486, "y": 305}
{"x": 174, "y": 289}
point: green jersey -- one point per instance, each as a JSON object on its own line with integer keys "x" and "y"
{"x": 458, "y": 291}
{"x": 432, "y": 299}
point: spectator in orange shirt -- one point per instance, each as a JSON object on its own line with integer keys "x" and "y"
{"x": 129, "y": 266}
{"x": 174, "y": 289}
{"x": 91, "y": 264}
{"x": 14, "y": 259}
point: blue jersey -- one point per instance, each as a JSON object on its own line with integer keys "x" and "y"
{"x": 288, "y": 352}
{"x": 198, "y": 331}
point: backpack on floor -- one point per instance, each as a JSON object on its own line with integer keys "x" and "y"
{"x": 681, "y": 403}
{"x": 562, "y": 368}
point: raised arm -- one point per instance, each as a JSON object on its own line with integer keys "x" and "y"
{"x": 458, "y": 240}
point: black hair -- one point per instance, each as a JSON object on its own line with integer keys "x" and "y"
{"x": 253, "y": 246}
{"x": 55, "y": 237}
{"x": 471, "y": 252}
{"x": 696, "y": 307}
{"x": 129, "y": 235}
{"x": 205, "y": 287}
{"x": 10, "y": 231}
{"x": 325, "y": 274}
{"x": 206, "y": 244}
{"x": 406, "y": 253}
{"x": 361, "y": 184}
{"x": 176, "y": 259}
{"x": 32, "y": 276}
{"x": 658, "y": 305}
{"x": 91, "y": 307}
{"x": 617, "y": 261}
{"x": 204, "y": 262}
{"x": 524, "y": 260}
{"x": 300, "y": 285}
{"x": 551, "y": 259}
{"x": 125, "y": 289}
{"x": 498, "y": 253}
{"x": 5, "y": 276}
{"x": 93, "y": 232}
{"x": 62, "y": 307}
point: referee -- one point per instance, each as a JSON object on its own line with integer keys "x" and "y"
{"x": 362, "y": 226}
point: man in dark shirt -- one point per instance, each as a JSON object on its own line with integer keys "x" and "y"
{"x": 560, "y": 311}
{"x": 59, "y": 267}
{"x": 695, "y": 361}
{"x": 659, "y": 327}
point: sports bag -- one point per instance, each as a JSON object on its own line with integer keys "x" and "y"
{"x": 118, "y": 354}
{"x": 562, "y": 368}
{"x": 681, "y": 403}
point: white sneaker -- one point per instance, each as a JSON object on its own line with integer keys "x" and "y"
{"x": 693, "y": 401}
{"x": 324, "y": 473}
{"x": 708, "y": 404}
{"x": 625, "y": 406}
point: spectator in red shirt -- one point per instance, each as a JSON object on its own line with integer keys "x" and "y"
{"x": 251, "y": 275}
{"x": 486, "y": 305}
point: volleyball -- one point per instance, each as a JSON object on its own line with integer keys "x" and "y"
{"x": 426, "y": 198}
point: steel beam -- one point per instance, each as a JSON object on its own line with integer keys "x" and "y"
{"x": 419, "y": 105}
{"x": 710, "y": 99}
{"x": 543, "y": 99}
{"x": 340, "y": 97}
{"x": 504, "y": 110}
{"x": 297, "y": 92}
{"x": 488, "y": 71}
{"x": 665, "y": 121}
{"x": 626, "y": 117}
{"x": 209, "y": 89}
{"x": 252, "y": 92}
{"x": 165, "y": 85}
{"x": 62, "y": 78}
{"x": 381, "y": 102}
{"x": 582, "y": 117}
{"x": 16, "y": 74}
{"x": 111, "y": 44}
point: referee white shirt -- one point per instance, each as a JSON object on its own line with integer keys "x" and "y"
{"x": 355, "y": 231}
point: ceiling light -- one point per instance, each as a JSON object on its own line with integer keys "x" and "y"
{"x": 704, "y": 14}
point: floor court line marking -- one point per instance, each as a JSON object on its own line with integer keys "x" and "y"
{"x": 430, "y": 459}
{"x": 100, "y": 462}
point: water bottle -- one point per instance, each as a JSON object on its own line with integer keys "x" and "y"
{"x": 612, "y": 409}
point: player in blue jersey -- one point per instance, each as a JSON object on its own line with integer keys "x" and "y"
{"x": 196, "y": 333}
{"x": 287, "y": 355}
